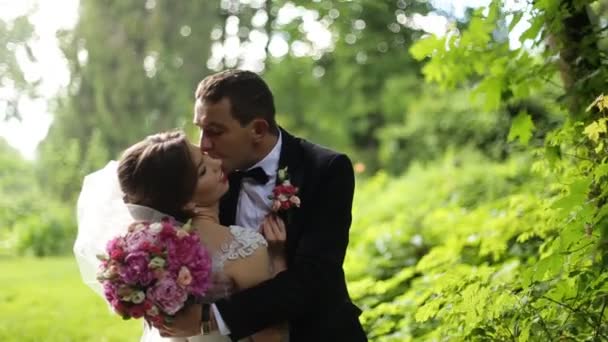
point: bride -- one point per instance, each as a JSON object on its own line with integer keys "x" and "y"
{"x": 163, "y": 175}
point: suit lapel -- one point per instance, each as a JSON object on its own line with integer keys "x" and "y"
{"x": 290, "y": 159}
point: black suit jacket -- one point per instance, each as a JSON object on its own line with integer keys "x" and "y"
{"x": 311, "y": 294}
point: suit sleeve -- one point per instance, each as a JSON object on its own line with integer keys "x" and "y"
{"x": 302, "y": 289}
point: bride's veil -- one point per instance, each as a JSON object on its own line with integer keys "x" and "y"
{"x": 102, "y": 215}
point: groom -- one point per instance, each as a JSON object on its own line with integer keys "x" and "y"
{"x": 235, "y": 112}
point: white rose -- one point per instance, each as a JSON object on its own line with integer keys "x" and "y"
{"x": 156, "y": 227}
{"x": 138, "y": 297}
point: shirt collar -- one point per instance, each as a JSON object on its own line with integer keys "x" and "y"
{"x": 270, "y": 163}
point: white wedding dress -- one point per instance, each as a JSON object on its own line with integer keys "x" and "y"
{"x": 242, "y": 244}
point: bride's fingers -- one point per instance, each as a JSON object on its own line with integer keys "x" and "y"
{"x": 282, "y": 229}
{"x": 268, "y": 231}
{"x": 279, "y": 228}
{"x": 278, "y": 231}
{"x": 165, "y": 331}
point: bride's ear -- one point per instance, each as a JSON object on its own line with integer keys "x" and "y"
{"x": 189, "y": 206}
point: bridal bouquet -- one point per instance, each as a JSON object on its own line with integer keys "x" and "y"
{"x": 154, "y": 269}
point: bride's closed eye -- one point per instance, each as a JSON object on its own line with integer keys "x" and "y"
{"x": 202, "y": 168}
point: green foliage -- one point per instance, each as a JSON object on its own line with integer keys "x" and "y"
{"x": 489, "y": 254}
{"x": 521, "y": 128}
{"x": 526, "y": 262}
{"x": 31, "y": 222}
{"x": 46, "y": 300}
{"x": 47, "y": 231}
{"x": 16, "y": 36}
{"x": 138, "y": 81}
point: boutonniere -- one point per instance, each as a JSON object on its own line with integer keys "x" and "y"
{"x": 285, "y": 195}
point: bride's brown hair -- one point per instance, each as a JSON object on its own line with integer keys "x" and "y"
{"x": 158, "y": 172}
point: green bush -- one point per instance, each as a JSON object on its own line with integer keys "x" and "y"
{"x": 471, "y": 249}
{"x": 51, "y": 231}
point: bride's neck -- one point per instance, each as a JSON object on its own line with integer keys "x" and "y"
{"x": 208, "y": 215}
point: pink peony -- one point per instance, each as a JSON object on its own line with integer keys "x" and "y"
{"x": 182, "y": 251}
{"x": 115, "y": 243}
{"x": 139, "y": 240}
{"x": 135, "y": 270}
{"x": 169, "y": 296}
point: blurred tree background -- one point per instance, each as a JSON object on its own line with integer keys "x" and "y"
{"x": 478, "y": 138}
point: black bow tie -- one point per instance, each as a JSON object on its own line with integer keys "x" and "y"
{"x": 257, "y": 174}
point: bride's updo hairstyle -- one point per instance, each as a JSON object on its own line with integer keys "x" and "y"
{"x": 158, "y": 172}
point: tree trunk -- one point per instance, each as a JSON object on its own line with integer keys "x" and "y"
{"x": 579, "y": 57}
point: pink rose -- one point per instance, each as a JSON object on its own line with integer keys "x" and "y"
{"x": 117, "y": 254}
{"x": 184, "y": 278}
{"x": 295, "y": 200}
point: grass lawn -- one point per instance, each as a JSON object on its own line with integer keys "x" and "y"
{"x": 45, "y": 300}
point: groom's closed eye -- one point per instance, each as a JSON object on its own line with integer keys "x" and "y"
{"x": 213, "y": 130}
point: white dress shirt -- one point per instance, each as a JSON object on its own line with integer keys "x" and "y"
{"x": 253, "y": 205}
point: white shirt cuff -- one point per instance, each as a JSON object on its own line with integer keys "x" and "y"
{"x": 221, "y": 326}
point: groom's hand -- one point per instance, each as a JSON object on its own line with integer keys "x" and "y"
{"x": 186, "y": 323}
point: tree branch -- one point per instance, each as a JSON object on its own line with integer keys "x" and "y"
{"x": 599, "y": 320}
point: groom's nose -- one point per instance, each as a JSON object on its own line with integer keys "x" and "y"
{"x": 205, "y": 143}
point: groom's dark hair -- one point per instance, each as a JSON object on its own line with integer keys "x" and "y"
{"x": 250, "y": 97}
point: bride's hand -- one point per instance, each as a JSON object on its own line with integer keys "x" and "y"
{"x": 187, "y": 322}
{"x": 273, "y": 229}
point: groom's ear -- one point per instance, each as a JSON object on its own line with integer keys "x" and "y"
{"x": 259, "y": 128}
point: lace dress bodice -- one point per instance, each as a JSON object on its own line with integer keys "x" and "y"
{"x": 243, "y": 243}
